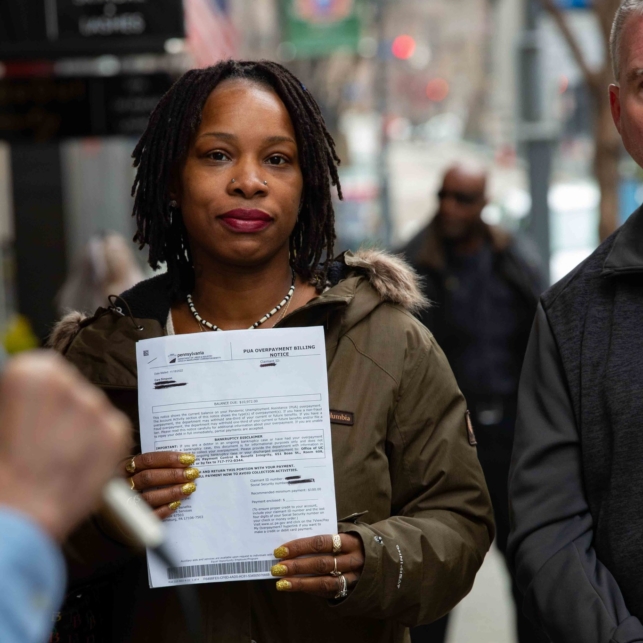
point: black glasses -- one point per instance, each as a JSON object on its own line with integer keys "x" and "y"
{"x": 463, "y": 198}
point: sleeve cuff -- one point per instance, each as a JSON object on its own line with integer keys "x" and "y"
{"x": 629, "y": 631}
{"x": 30, "y": 553}
{"x": 366, "y": 588}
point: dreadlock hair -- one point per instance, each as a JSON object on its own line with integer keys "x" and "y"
{"x": 164, "y": 147}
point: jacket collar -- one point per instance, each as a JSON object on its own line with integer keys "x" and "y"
{"x": 358, "y": 283}
{"x": 626, "y": 255}
{"x": 390, "y": 278}
{"x": 427, "y": 247}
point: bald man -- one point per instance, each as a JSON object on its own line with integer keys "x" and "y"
{"x": 485, "y": 288}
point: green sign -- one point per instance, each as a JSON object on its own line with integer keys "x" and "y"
{"x": 320, "y": 27}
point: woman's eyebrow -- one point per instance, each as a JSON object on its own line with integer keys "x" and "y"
{"x": 279, "y": 139}
{"x": 223, "y": 135}
{"x": 226, "y": 136}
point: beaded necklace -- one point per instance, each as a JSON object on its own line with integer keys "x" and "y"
{"x": 265, "y": 318}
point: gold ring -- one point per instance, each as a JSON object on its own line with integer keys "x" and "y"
{"x": 130, "y": 467}
{"x": 336, "y": 573}
{"x": 131, "y": 484}
{"x": 337, "y": 544}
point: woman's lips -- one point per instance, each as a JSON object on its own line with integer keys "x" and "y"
{"x": 241, "y": 220}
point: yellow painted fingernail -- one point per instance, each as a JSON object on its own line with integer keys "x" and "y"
{"x": 174, "y": 505}
{"x": 188, "y": 488}
{"x": 187, "y": 458}
{"x": 281, "y": 552}
{"x": 192, "y": 473}
{"x": 279, "y": 570}
{"x": 283, "y": 585}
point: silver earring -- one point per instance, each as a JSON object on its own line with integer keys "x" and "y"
{"x": 171, "y": 206}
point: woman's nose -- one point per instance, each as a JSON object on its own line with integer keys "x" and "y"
{"x": 247, "y": 182}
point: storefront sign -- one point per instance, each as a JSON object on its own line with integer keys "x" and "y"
{"x": 320, "y": 27}
{"x": 45, "y": 109}
{"x": 53, "y": 28}
{"x": 575, "y": 4}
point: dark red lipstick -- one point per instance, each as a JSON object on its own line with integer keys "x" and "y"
{"x": 242, "y": 220}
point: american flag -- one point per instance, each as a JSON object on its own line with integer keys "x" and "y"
{"x": 210, "y": 32}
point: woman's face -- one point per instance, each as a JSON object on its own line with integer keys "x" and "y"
{"x": 241, "y": 184}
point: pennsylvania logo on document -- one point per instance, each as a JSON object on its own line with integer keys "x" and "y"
{"x": 191, "y": 357}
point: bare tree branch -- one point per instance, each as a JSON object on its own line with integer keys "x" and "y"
{"x": 591, "y": 77}
{"x": 607, "y": 145}
{"x": 606, "y": 10}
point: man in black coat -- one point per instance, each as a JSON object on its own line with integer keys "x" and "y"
{"x": 576, "y": 485}
{"x": 485, "y": 288}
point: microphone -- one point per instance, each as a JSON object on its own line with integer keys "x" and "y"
{"x": 141, "y": 521}
{"x": 136, "y": 516}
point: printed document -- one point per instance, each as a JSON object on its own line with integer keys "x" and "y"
{"x": 252, "y": 405}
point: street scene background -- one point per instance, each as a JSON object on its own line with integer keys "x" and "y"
{"x": 407, "y": 87}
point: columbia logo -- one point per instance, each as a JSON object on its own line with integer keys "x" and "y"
{"x": 342, "y": 417}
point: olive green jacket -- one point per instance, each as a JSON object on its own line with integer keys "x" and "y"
{"x": 407, "y": 477}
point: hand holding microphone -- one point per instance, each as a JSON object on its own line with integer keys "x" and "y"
{"x": 60, "y": 441}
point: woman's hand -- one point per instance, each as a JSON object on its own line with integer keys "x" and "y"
{"x": 167, "y": 473}
{"x": 350, "y": 561}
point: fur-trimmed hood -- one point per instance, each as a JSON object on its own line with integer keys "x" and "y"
{"x": 391, "y": 276}
{"x": 66, "y": 330}
{"x": 392, "y": 279}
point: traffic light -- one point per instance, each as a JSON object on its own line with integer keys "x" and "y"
{"x": 403, "y": 47}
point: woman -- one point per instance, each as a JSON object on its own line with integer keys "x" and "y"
{"x": 233, "y": 193}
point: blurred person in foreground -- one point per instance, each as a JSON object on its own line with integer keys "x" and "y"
{"x": 484, "y": 287}
{"x": 235, "y": 194}
{"x": 60, "y": 440}
{"x": 576, "y": 485}
{"x": 107, "y": 265}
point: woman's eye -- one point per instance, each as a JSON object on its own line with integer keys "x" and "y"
{"x": 218, "y": 156}
{"x": 276, "y": 160}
